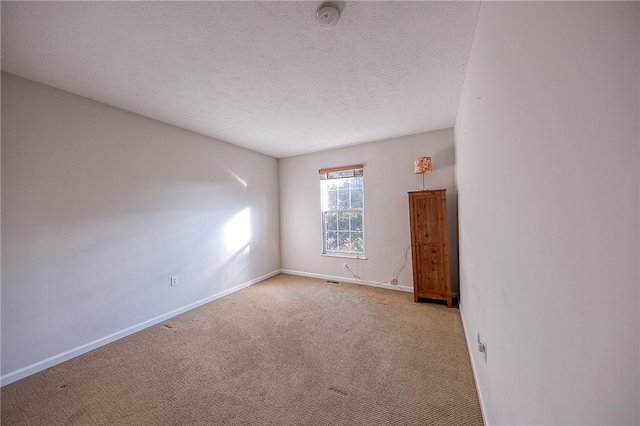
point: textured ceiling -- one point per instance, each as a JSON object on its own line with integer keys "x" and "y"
{"x": 262, "y": 75}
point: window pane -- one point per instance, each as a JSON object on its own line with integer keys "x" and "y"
{"x": 331, "y": 185}
{"x": 356, "y": 222}
{"x": 343, "y": 221}
{"x": 331, "y": 223}
{"x": 358, "y": 242}
{"x": 332, "y": 200}
{"x": 332, "y": 240}
{"x": 343, "y": 241}
{"x": 356, "y": 198}
{"x": 343, "y": 199}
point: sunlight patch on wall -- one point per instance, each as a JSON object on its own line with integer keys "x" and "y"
{"x": 237, "y": 231}
{"x": 239, "y": 179}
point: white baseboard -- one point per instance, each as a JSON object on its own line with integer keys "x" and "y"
{"x": 471, "y": 343}
{"x": 57, "y": 359}
{"x": 348, "y": 280}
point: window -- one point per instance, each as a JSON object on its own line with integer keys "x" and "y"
{"x": 342, "y": 210}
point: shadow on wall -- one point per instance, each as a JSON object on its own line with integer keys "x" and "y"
{"x": 446, "y": 157}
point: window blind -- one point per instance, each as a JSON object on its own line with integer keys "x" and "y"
{"x": 341, "y": 172}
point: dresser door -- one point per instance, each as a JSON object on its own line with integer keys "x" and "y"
{"x": 429, "y": 245}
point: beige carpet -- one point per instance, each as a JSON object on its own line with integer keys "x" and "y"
{"x": 286, "y": 351}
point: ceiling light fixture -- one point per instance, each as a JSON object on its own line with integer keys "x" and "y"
{"x": 328, "y": 15}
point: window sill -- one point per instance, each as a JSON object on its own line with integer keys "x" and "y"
{"x": 345, "y": 256}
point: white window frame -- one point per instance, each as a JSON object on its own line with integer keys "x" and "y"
{"x": 345, "y": 172}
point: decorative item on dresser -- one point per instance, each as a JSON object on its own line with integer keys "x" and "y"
{"x": 422, "y": 165}
{"x": 430, "y": 245}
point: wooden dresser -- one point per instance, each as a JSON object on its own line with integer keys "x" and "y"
{"x": 430, "y": 245}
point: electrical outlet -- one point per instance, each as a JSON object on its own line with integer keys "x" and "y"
{"x": 174, "y": 281}
{"x": 344, "y": 265}
{"x": 482, "y": 347}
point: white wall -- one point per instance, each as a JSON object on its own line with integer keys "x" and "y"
{"x": 101, "y": 206}
{"x": 388, "y": 176}
{"x": 547, "y": 145}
